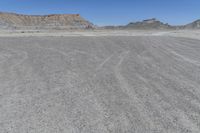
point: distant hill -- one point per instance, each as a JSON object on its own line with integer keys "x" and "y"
{"x": 75, "y": 21}
{"x": 193, "y": 25}
{"x": 154, "y": 24}
{"x": 149, "y": 24}
{"x": 144, "y": 25}
{"x": 54, "y": 21}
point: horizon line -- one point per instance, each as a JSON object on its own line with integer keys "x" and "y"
{"x": 101, "y": 25}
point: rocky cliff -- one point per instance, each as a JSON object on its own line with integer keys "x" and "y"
{"x": 54, "y": 21}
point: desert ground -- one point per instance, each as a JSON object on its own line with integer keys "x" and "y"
{"x": 100, "y": 82}
{"x": 193, "y": 34}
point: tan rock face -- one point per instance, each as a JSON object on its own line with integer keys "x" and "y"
{"x": 10, "y": 20}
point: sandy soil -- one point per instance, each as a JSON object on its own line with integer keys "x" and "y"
{"x": 21, "y": 33}
{"x": 99, "y": 84}
{"x": 194, "y": 34}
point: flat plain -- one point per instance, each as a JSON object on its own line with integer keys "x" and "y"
{"x": 99, "y": 84}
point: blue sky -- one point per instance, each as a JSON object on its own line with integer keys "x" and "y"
{"x": 107, "y": 12}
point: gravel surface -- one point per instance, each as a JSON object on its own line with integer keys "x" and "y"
{"x": 99, "y": 85}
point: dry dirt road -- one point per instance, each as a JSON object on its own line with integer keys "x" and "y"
{"x": 99, "y": 85}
